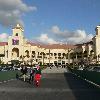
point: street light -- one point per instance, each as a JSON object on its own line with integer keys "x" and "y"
{"x": 69, "y": 50}
{"x": 49, "y": 57}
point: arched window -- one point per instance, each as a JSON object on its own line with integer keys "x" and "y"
{"x": 16, "y": 34}
{"x": 85, "y": 53}
{"x": 27, "y": 53}
{"x": 15, "y": 52}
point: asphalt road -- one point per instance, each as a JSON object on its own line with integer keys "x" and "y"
{"x": 53, "y": 87}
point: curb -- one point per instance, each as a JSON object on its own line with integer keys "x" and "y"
{"x": 5, "y": 81}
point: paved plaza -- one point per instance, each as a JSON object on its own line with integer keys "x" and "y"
{"x": 54, "y": 86}
{"x": 54, "y": 70}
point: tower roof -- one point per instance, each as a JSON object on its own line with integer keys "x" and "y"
{"x": 18, "y": 26}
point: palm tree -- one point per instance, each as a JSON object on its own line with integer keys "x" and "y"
{"x": 1, "y": 56}
{"x": 49, "y": 56}
{"x": 43, "y": 55}
{"x": 69, "y": 50}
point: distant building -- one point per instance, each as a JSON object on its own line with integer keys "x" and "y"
{"x": 89, "y": 52}
{"x": 18, "y": 48}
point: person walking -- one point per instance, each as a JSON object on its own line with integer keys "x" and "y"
{"x": 37, "y": 76}
{"x": 32, "y": 72}
{"x": 24, "y": 72}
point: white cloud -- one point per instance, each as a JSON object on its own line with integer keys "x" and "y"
{"x": 12, "y": 10}
{"x": 78, "y": 36}
{"x": 67, "y": 37}
{"x": 3, "y": 37}
{"x": 45, "y": 39}
{"x": 56, "y": 30}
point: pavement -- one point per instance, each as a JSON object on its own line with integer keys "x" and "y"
{"x": 54, "y": 86}
{"x": 54, "y": 70}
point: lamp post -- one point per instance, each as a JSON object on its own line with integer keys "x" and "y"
{"x": 49, "y": 57}
{"x": 69, "y": 50}
{"x": 43, "y": 55}
{"x": 76, "y": 57}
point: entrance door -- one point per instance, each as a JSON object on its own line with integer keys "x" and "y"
{"x": 15, "y": 53}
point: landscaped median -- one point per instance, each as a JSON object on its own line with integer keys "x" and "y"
{"x": 7, "y": 75}
{"x": 91, "y": 76}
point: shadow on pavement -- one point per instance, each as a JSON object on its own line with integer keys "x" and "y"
{"x": 81, "y": 89}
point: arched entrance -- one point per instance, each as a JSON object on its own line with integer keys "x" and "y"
{"x": 27, "y": 53}
{"x": 91, "y": 52}
{"x": 15, "y": 53}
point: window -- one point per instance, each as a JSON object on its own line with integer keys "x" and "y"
{"x": 51, "y": 54}
{"x": 47, "y": 53}
{"x": 33, "y": 52}
{"x": 64, "y": 54}
{"x": 55, "y": 57}
{"x": 16, "y": 34}
{"x": 15, "y": 42}
{"x": 63, "y": 62}
{"x": 59, "y": 54}
{"x": 55, "y": 54}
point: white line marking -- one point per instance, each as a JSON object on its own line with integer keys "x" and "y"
{"x": 4, "y": 81}
{"x": 87, "y": 80}
{"x": 1, "y": 82}
{"x": 7, "y": 81}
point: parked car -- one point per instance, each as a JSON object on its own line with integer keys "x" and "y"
{"x": 97, "y": 69}
{"x": 1, "y": 68}
{"x": 17, "y": 68}
{"x": 5, "y": 69}
{"x": 79, "y": 67}
{"x": 89, "y": 68}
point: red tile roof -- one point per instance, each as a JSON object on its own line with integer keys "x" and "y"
{"x": 87, "y": 43}
{"x": 53, "y": 46}
{"x": 33, "y": 43}
{"x": 3, "y": 43}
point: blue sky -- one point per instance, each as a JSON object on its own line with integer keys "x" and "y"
{"x": 52, "y": 21}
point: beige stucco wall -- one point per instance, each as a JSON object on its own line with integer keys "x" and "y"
{"x": 24, "y": 46}
{"x": 2, "y": 49}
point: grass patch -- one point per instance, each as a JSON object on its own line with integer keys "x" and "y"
{"x": 8, "y": 75}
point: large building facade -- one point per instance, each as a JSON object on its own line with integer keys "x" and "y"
{"x": 89, "y": 52}
{"x": 20, "y": 49}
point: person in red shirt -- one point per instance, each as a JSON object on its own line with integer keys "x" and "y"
{"x": 37, "y": 76}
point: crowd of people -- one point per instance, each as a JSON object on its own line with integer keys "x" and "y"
{"x": 32, "y": 73}
{"x": 57, "y": 66}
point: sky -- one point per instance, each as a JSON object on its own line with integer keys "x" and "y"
{"x": 51, "y": 21}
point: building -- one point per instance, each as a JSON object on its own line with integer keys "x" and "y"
{"x": 19, "y": 49}
{"x": 89, "y": 52}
